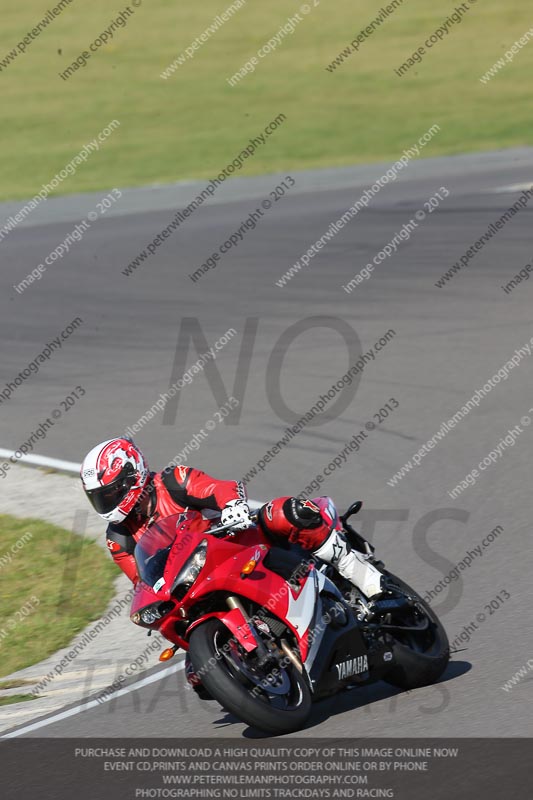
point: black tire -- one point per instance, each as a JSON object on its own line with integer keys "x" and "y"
{"x": 418, "y": 663}
{"x": 233, "y": 689}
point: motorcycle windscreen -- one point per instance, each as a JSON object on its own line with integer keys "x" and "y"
{"x": 153, "y": 548}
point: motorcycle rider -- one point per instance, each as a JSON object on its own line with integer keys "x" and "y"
{"x": 122, "y": 490}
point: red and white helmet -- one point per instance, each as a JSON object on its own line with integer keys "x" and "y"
{"x": 114, "y": 474}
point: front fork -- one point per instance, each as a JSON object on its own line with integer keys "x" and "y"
{"x": 265, "y": 653}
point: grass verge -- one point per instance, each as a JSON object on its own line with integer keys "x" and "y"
{"x": 52, "y": 584}
{"x": 15, "y": 684}
{"x": 15, "y": 698}
{"x": 194, "y": 123}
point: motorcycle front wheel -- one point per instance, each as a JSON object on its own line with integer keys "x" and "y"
{"x": 273, "y": 699}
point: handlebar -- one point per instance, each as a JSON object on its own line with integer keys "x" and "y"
{"x": 226, "y": 528}
{"x": 220, "y": 529}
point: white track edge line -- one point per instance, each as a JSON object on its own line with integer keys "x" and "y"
{"x": 79, "y": 709}
{"x": 43, "y": 461}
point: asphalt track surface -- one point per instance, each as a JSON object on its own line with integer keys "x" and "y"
{"x": 448, "y": 343}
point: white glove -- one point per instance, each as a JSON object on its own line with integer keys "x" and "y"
{"x": 236, "y": 513}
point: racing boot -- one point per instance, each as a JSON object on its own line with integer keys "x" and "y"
{"x": 353, "y": 566}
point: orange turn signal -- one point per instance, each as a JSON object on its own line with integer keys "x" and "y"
{"x": 249, "y": 567}
{"x": 167, "y": 654}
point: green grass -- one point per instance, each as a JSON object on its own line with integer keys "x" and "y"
{"x": 65, "y": 582}
{"x": 14, "y": 684}
{"x": 194, "y": 123}
{"x": 16, "y": 698}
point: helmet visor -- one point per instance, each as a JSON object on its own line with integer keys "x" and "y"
{"x": 106, "y": 498}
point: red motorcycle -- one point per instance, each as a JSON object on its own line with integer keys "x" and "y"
{"x": 270, "y": 629}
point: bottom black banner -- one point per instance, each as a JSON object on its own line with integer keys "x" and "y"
{"x": 139, "y": 769}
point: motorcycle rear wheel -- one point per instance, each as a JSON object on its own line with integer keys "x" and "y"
{"x": 418, "y": 660}
{"x": 230, "y": 676}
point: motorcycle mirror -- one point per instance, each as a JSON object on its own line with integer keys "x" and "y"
{"x": 354, "y": 508}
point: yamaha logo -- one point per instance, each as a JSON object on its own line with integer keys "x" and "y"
{"x": 354, "y": 666}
